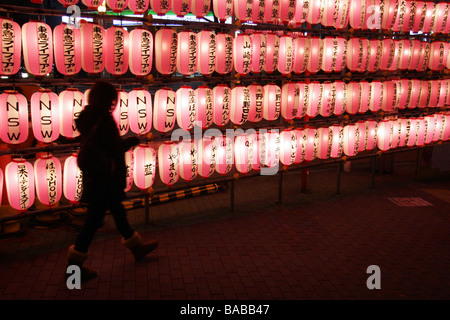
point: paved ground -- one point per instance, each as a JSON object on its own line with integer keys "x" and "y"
{"x": 315, "y": 245}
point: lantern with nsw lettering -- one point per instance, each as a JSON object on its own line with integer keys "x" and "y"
{"x": 37, "y": 43}
{"x": 221, "y": 104}
{"x": 120, "y": 113}
{"x": 129, "y": 166}
{"x": 168, "y": 162}
{"x": 140, "y": 111}
{"x": 240, "y": 105}
{"x": 117, "y": 5}
{"x": 288, "y": 147}
{"x": 138, "y": 6}
{"x": 13, "y": 117}
{"x": 286, "y": 59}
{"x": 206, "y": 52}
{"x": 222, "y": 9}
{"x": 242, "y": 53}
{"x": 255, "y": 113}
{"x": 206, "y": 155}
{"x": 315, "y": 55}
{"x": 144, "y": 171}
{"x": 186, "y": 107}
{"x": 271, "y": 102}
{"x": 92, "y": 36}
{"x": 164, "y": 116}
{"x": 243, "y": 9}
{"x": 421, "y": 131}
{"x": 224, "y": 159}
{"x": 204, "y": 104}
{"x": 72, "y": 180}
{"x": 351, "y": 140}
{"x": 117, "y": 54}
{"x": 92, "y": 4}
{"x": 334, "y": 54}
{"x": 141, "y": 52}
{"x": 47, "y": 173}
{"x": 187, "y": 53}
{"x": 67, "y": 49}
{"x": 395, "y": 134}
{"x": 10, "y": 47}
{"x": 290, "y": 100}
{"x": 19, "y": 178}
{"x": 188, "y": 160}
{"x": 384, "y": 135}
{"x": 224, "y": 53}
{"x": 302, "y": 52}
{"x": 258, "y": 52}
{"x": 166, "y": 40}
{"x": 272, "y": 52}
{"x": 438, "y": 55}
{"x": 71, "y": 103}
{"x": 310, "y": 141}
{"x": 200, "y": 8}
{"x": 45, "y": 115}
{"x": 243, "y": 153}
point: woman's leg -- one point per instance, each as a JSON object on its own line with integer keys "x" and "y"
{"x": 95, "y": 216}
{"x": 120, "y": 217}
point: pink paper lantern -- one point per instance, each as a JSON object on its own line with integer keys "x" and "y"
{"x": 389, "y": 93}
{"x": 334, "y": 54}
{"x": 315, "y": 56}
{"x": 255, "y": 156}
{"x": 67, "y": 49}
{"x": 374, "y": 55}
{"x": 92, "y": 38}
{"x": 373, "y": 15}
{"x": 299, "y": 153}
{"x": 19, "y": 178}
{"x": 200, "y": 8}
{"x": 72, "y": 180}
{"x": 338, "y": 97}
{"x": 1, "y": 185}
{"x": 302, "y": 51}
{"x": 138, "y": 6}
{"x": 406, "y": 54}
{"x": 181, "y": 7}
{"x": 326, "y": 108}
{"x": 37, "y": 43}
{"x": 286, "y": 10}
{"x": 10, "y": 47}
{"x": 92, "y": 4}
{"x": 164, "y": 115}
{"x": 301, "y": 11}
{"x": 221, "y": 104}
{"x": 388, "y": 10}
{"x": 342, "y": 14}
{"x": 395, "y": 134}
{"x": 422, "y": 64}
{"x": 310, "y": 142}
{"x": 329, "y": 9}
{"x": 424, "y": 94}
{"x": 258, "y": 52}
{"x": 224, "y": 53}
{"x": 439, "y": 126}
{"x": 169, "y": 162}
{"x": 357, "y": 60}
{"x": 376, "y": 95}
{"x": 129, "y": 165}
{"x": 47, "y": 173}
{"x": 390, "y": 55}
{"x": 187, "y": 53}
{"x": 403, "y": 131}
{"x": 290, "y": 100}
{"x": 416, "y": 49}
{"x": 443, "y": 93}
{"x": 140, "y": 111}
{"x": 270, "y": 11}
{"x": 269, "y": 148}
{"x": 206, "y": 157}
{"x": 314, "y": 9}
{"x": 286, "y": 60}
{"x": 240, "y": 105}
{"x": 67, "y": 3}
{"x": 71, "y": 103}
{"x": 45, "y": 115}
{"x": 188, "y": 160}
{"x": 161, "y": 7}
{"x": 353, "y": 94}
{"x": 13, "y": 117}
{"x": 303, "y": 100}
{"x": 312, "y": 109}
{"x": 117, "y": 5}
{"x": 206, "y": 52}
{"x": 255, "y": 113}
{"x": 350, "y": 140}
{"x": 243, "y": 9}
{"x": 141, "y": 52}
{"x": 204, "y": 98}
{"x": 186, "y": 107}
{"x": 441, "y": 17}
{"x": 357, "y": 14}
{"x": 224, "y": 159}
{"x": 271, "y": 102}
{"x": 272, "y": 52}
{"x": 242, "y": 53}
{"x": 446, "y": 128}
{"x": 144, "y": 171}
{"x": 335, "y": 141}
{"x": 117, "y": 54}
{"x": 430, "y": 16}
{"x": 403, "y": 21}
{"x": 243, "y": 153}
{"x": 430, "y": 128}
{"x": 421, "y": 130}
{"x": 438, "y": 55}
{"x": 403, "y": 89}
{"x": 166, "y": 40}
{"x": 222, "y": 9}
{"x": 120, "y": 113}
{"x": 323, "y": 142}
{"x": 384, "y": 135}
{"x": 288, "y": 147}
{"x": 434, "y": 92}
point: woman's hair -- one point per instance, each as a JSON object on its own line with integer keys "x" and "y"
{"x": 102, "y": 95}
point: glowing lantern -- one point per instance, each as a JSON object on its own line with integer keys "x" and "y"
{"x": 351, "y": 140}
{"x": 434, "y": 92}
{"x": 206, "y": 157}
{"x": 310, "y": 142}
{"x": 329, "y": 10}
{"x": 303, "y": 100}
{"x": 421, "y": 130}
{"x": 389, "y": 55}
{"x": 19, "y": 178}
{"x": 204, "y": 103}
{"x": 187, "y": 53}
{"x": 200, "y": 8}
{"x": 186, "y": 107}
{"x": 357, "y": 59}
{"x": 221, "y": 104}
{"x": 334, "y": 54}
{"x": 286, "y": 10}
{"x": 443, "y": 93}
{"x": 166, "y": 40}
{"x": 224, "y": 159}
{"x": 10, "y": 47}
{"x": 403, "y": 16}
{"x": 357, "y": 14}
{"x": 403, "y": 132}
{"x": 353, "y": 102}
{"x": 422, "y": 63}
{"x": 290, "y": 100}
{"x": 412, "y": 132}
{"x": 441, "y": 17}
{"x": 206, "y": 51}
{"x": 129, "y": 164}
{"x": 224, "y": 53}
{"x": 335, "y": 141}
{"x": 67, "y": 49}
{"x": 430, "y": 16}
{"x": 302, "y": 47}
{"x": 255, "y": 114}
{"x": 314, "y": 10}
{"x": 47, "y": 172}
{"x": 270, "y": 11}
{"x": 374, "y": 55}
{"x": 342, "y": 18}
{"x": 117, "y": 5}
{"x": 92, "y": 4}
{"x": 272, "y": 52}
{"x": 188, "y": 160}
{"x": 389, "y": 95}
{"x": 243, "y": 9}
{"x": 181, "y": 7}
{"x": 116, "y": 50}
{"x": 13, "y": 117}
{"x": 376, "y": 95}
{"x": 72, "y": 180}
{"x": 269, "y": 149}
{"x": 361, "y": 127}
{"x": 138, "y": 6}
{"x": 144, "y": 170}
{"x": 37, "y": 42}
{"x": 313, "y": 99}
{"x": 285, "y": 60}
{"x": 92, "y": 36}
{"x": 288, "y": 147}
{"x": 240, "y": 105}
{"x": 120, "y": 113}
{"x": 242, "y": 53}
{"x": 301, "y": 11}
{"x": 243, "y": 153}
{"x": 388, "y": 10}
{"x": 371, "y": 134}
{"x": 424, "y": 94}
{"x": 439, "y": 126}
{"x": 416, "y": 48}
{"x": 1, "y": 185}
{"x": 338, "y": 97}
{"x": 70, "y": 106}
{"x": 67, "y": 3}
{"x": 430, "y": 128}
{"x": 222, "y": 9}
{"x": 446, "y": 128}
{"x": 315, "y": 55}
{"x": 403, "y": 87}
{"x": 384, "y": 135}
{"x": 140, "y": 111}
{"x": 45, "y": 115}
{"x": 406, "y": 54}
{"x": 438, "y": 55}
{"x": 258, "y": 52}
{"x": 395, "y": 134}
{"x": 168, "y": 162}
{"x": 164, "y": 116}
{"x": 323, "y": 142}
{"x": 271, "y": 102}
{"x": 326, "y": 108}
{"x": 141, "y": 52}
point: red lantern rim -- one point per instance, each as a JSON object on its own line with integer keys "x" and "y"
{"x": 11, "y": 91}
{"x": 18, "y": 160}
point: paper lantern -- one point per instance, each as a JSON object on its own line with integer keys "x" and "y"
{"x": 335, "y": 141}
{"x": 314, "y": 11}
{"x": 224, "y": 53}
{"x": 242, "y": 53}
{"x": 288, "y": 147}
{"x": 258, "y": 11}
{"x": 303, "y": 100}
{"x": 204, "y": 106}
{"x": 302, "y": 51}
{"x": 415, "y": 51}
{"x": 92, "y": 4}
{"x": 438, "y": 55}
{"x": 45, "y": 115}
{"x": 258, "y": 52}
{"x": 389, "y": 95}
{"x": 371, "y": 131}
{"x": 138, "y": 6}
{"x": 243, "y": 153}
{"x": 430, "y": 16}
{"x": 313, "y": 99}
{"x": 406, "y": 54}
{"x": 206, "y": 52}
{"x": 243, "y": 9}
{"x": 181, "y": 7}
{"x": 120, "y": 113}
{"x": 357, "y": 59}
{"x": 414, "y": 93}
{"x": 223, "y": 9}
{"x": 129, "y": 165}
{"x": 374, "y": 55}
{"x": 384, "y": 135}
{"x": 272, "y": 52}
{"x": 271, "y": 102}
{"x": 338, "y": 97}
{"x": 166, "y": 40}
{"x": 140, "y": 111}
{"x": 326, "y": 102}
{"x": 443, "y": 93}
{"x": 269, "y": 149}
{"x": 342, "y": 18}
{"x": 403, "y": 88}
{"x": 389, "y": 55}
{"x": 206, "y": 153}
{"x": 286, "y": 10}
{"x": 186, "y": 107}
{"x": 329, "y": 9}
{"x": 421, "y": 130}
{"x": 316, "y": 55}
{"x": 240, "y": 105}
{"x": 141, "y": 52}
{"x": 221, "y": 104}
{"x": 434, "y": 92}
{"x": 47, "y": 173}
{"x": 19, "y": 178}
{"x": 285, "y": 60}
{"x": 334, "y": 54}
{"x": 144, "y": 170}
{"x": 117, "y": 54}
{"x": 72, "y": 180}
{"x": 10, "y": 47}
{"x": 310, "y": 142}
{"x": 323, "y": 143}
{"x": 255, "y": 113}
{"x": 200, "y": 8}
{"x": 117, "y": 5}
{"x": 403, "y": 16}
{"x": 92, "y": 37}
{"x": 13, "y": 117}
{"x": 424, "y": 57}
{"x": 424, "y": 94}
{"x": 1, "y": 185}
{"x": 388, "y": 10}
{"x": 67, "y": 49}
{"x": 301, "y": 11}
{"x": 71, "y": 103}
{"x": 188, "y": 160}
{"x": 439, "y": 120}
{"x": 361, "y": 127}
{"x": 351, "y": 140}
{"x": 187, "y": 53}
{"x": 395, "y": 134}
{"x": 430, "y": 127}
{"x": 403, "y": 132}
{"x": 353, "y": 94}
{"x": 255, "y": 156}
{"x": 441, "y": 17}
{"x": 67, "y": 3}
{"x": 446, "y": 128}
{"x": 37, "y": 43}
{"x": 164, "y": 116}
{"x": 168, "y": 162}
{"x": 224, "y": 159}
{"x": 290, "y": 100}
{"x": 270, "y": 11}
{"x": 357, "y": 14}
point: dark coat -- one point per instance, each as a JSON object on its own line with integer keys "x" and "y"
{"x": 102, "y": 155}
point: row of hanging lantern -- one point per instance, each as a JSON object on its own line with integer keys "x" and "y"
{"x": 137, "y": 111}
{"x": 247, "y": 151}
{"x": 93, "y": 49}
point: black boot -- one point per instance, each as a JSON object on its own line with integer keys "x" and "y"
{"x": 139, "y": 248}
{"x": 77, "y": 258}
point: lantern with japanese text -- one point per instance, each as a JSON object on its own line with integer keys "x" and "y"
{"x": 10, "y": 47}
{"x": 141, "y": 52}
{"x": 47, "y": 173}
{"x": 312, "y": 109}
{"x": 168, "y": 162}
{"x": 430, "y": 16}
{"x": 414, "y": 93}
{"x": 272, "y": 52}
{"x": 334, "y": 54}
{"x": 403, "y": 132}
{"x": 314, "y": 11}
{"x": 270, "y": 11}
{"x": 302, "y": 47}
{"x": 365, "y": 95}
{"x": 326, "y": 108}
{"x": 13, "y": 117}
{"x": 224, "y": 53}
{"x": 188, "y": 160}
{"x": 310, "y": 142}
{"x": 271, "y": 102}
{"x": 445, "y": 135}
{"x": 301, "y": 11}
{"x": 161, "y": 7}
{"x": 19, "y": 178}
{"x": 303, "y": 100}
{"x": 323, "y": 142}
{"x": 258, "y": 52}
{"x": 221, "y": 104}
{"x": 335, "y": 141}
{"x": 315, "y": 55}
{"x": 357, "y": 54}
{"x": 67, "y": 49}
{"x": 117, "y": 54}
{"x": 290, "y": 100}
{"x": 187, "y": 52}
{"x": 224, "y": 159}
{"x": 186, "y": 109}
{"x": 353, "y": 97}
{"x": 342, "y": 15}
{"x": 206, "y": 155}
{"x": 37, "y": 43}
{"x": 395, "y": 134}
{"x": 361, "y": 127}
{"x": 338, "y": 97}
{"x": 415, "y": 52}
{"x": 200, "y": 8}
{"x": 403, "y": 17}
{"x": 138, "y": 6}
{"x": 45, "y": 115}
{"x": 430, "y": 128}
{"x": 441, "y": 17}
{"x": 406, "y": 54}
{"x": 164, "y": 116}
{"x": 443, "y": 93}
{"x": 129, "y": 165}
{"x": 439, "y": 126}
{"x": 438, "y": 55}
{"x": 388, "y": 10}
{"x": 72, "y": 180}
{"x": 1, "y": 185}
{"x": 351, "y": 140}
{"x": 255, "y": 113}
{"x": 240, "y": 105}
{"x": 434, "y": 93}
{"x": 403, "y": 88}
{"x": 422, "y": 63}
{"x": 421, "y": 130}
{"x": 371, "y": 134}
{"x": 71, "y": 103}
{"x": 374, "y": 55}
{"x": 424, "y": 94}
{"x": 269, "y": 148}
{"x": 357, "y": 14}
{"x": 181, "y": 7}
{"x": 92, "y": 37}
{"x": 258, "y": 11}
{"x": 384, "y": 135}
{"x": 120, "y": 113}
{"x": 223, "y": 9}
{"x": 286, "y": 10}
{"x": 140, "y": 111}
{"x": 243, "y": 153}
{"x": 243, "y": 9}
{"x": 288, "y": 147}
{"x": 204, "y": 104}
{"x": 92, "y": 4}
{"x": 117, "y": 5}
{"x": 166, "y": 40}
{"x": 144, "y": 171}
{"x": 206, "y": 50}
{"x": 389, "y": 57}
{"x": 242, "y": 53}
{"x": 389, "y": 95}
{"x": 67, "y": 3}
{"x": 285, "y": 60}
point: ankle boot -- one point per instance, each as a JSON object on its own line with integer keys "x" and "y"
{"x": 139, "y": 248}
{"x": 77, "y": 258}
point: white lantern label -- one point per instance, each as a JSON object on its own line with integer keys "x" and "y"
{"x": 118, "y": 50}
{"x": 24, "y": 185}
{"x": 69, "y": 50}
{"x": 146, "y": 51}
{"x": 12, "y": 109}
{"x": 51, "y": 177}
{"x": 8, "y": 45}
{"x": 43, "y": 47}
{"x": 97, "y": 42}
